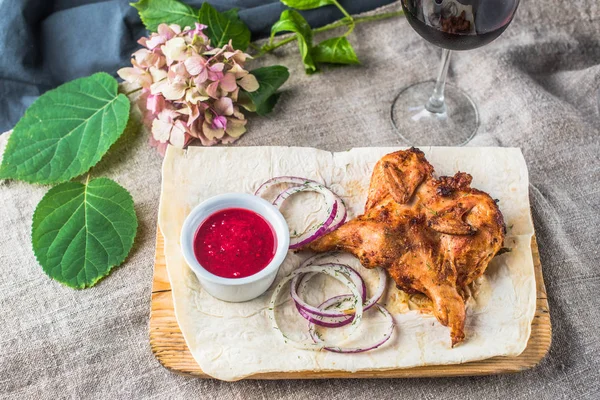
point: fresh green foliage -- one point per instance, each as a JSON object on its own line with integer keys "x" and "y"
{"x": 66, "y": 131}
{"x": 292, "y": 21}
{"x": 336, "y": 50}
{"x": 156, "y": 12}
{"x": 81, "y": 231}
{"x": 267, "y": 106}
{"x": 270, "y": 79}
{"x": 306, "y": 4}
{"x": 224, "y": 26}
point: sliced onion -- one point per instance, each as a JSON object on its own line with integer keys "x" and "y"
{"x": 352, "y": 350}
{"x": 322, "y": 315}
{"x": 314, "y": 232}
{"x": 326, "y": 322}
{"x": 338, "y": 272}
{"x": 379, "y": 291}
{"x": 316, "y": 311}
{"x": 336, "y": 217}
{"x": 316, "y": 260}
{"x": 297, "y": 181}
{"x": 341, "y": 216}
{"x": 329, "y": 322}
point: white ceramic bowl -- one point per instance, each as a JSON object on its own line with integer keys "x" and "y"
{"x": 235, "y": 289}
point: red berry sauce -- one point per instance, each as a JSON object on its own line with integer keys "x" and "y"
{"x": 235, "y": 243}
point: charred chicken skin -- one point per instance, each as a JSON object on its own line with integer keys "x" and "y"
{"x": 433, "y": 236}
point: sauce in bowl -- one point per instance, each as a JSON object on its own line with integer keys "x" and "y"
{"x": 234, "y": 243}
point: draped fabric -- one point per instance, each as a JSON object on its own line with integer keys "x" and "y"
{"x": 536, "y": 87}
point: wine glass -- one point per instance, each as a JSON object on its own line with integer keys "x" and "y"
{"x": 432, "y": 112}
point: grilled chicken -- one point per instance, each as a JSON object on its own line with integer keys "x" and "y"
{"x": 433, "y": 236}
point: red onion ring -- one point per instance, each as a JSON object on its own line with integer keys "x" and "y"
{"x": 297, "y": 181}
{"x": 316, "y": 311}
{"x": 314, "y": 260}
{"x": 314, "y": 232}
{"x": 352, "y": 350}
{"x": 329, "y": 322}
{"x": 341, "y": 217}
{"x": 338, "y": 272}
{"x": 337, "y": 215}
{"x": 325, "y": 321}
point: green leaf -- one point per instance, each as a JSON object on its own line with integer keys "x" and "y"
{"x": 336, "y": 50}
{"x": 66, "y": 131}
{"x": 232, "y": 13}
{"x": 224, "y": 26}
{"x": 306, "y": 4}
{"x": 269, "y": 79}
{"x": 156, "y": 12}
{"x": 292, "y": 21}
{"x": 267, "y": 106}
{"x": 81, "y": 231}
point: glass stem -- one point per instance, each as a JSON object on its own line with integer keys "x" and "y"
{"x": 436, "y": 103}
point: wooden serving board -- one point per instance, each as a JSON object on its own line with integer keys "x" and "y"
{"x": 168, "y": 344}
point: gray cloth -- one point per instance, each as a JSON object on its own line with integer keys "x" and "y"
{"x": 45, "y": 43}
{"x": 536, "y": 88}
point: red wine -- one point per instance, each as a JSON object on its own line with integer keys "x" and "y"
{"x": 459, "y": 24}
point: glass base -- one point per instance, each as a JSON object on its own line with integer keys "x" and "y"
{"x": 419, "y": 127}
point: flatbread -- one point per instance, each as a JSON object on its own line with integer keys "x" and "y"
{"x": 231, "y": 341}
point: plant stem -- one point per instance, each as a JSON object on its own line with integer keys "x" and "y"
{"x": 339, "y": 6}
{"x": 133, "y": 91}
{"x": 359, "y": 20}
{"x": 348, "y": 17}
{"x": 343, "y": 22}
{"x": 270, "y": 47}
{"x": 255, "y": 47}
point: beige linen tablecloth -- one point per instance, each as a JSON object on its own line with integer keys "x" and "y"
{"x": 536, "y": 88}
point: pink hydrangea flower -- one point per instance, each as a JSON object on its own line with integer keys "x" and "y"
{"x": 190, "y": 88}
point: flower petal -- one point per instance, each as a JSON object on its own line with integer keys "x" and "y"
{"x": 178, "y": 135}
{"x": 155, "y": 103}
{"x": 157, "y": 74}
{"x": 215, "y": 76}
{"x": 161, "y": 130}
{"x": 224, "y": 106}
{"x": 195, "y": 64}
{"x": 218, "y": 67}
{"x": 136, "y": 75}
{"x": 219, "y": 122}
{"x": 238, "y": 71}
{"x": 236, "y": 127}
{"x": 168, "y": 115}
{"x": 228, "y": 83}
{"x": 194, "y": 113}
{"x": 211, "y": 133}
{"x": 143, "y": 41}
{"x": 249, "y": 83}
{"x": 228, "y": 139}
{"x": 176, "y": 29}
{"x": 212, "y": 90}
{"x": 174, "y": 91}
{"x": 174, "y": 49}
{"x": 128, "y": 74}
{"x": 165, "y": 31}
{"x": 155, "y": 41}
{"x": 234, "y": 95}
{"x": 179, "y": 72}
